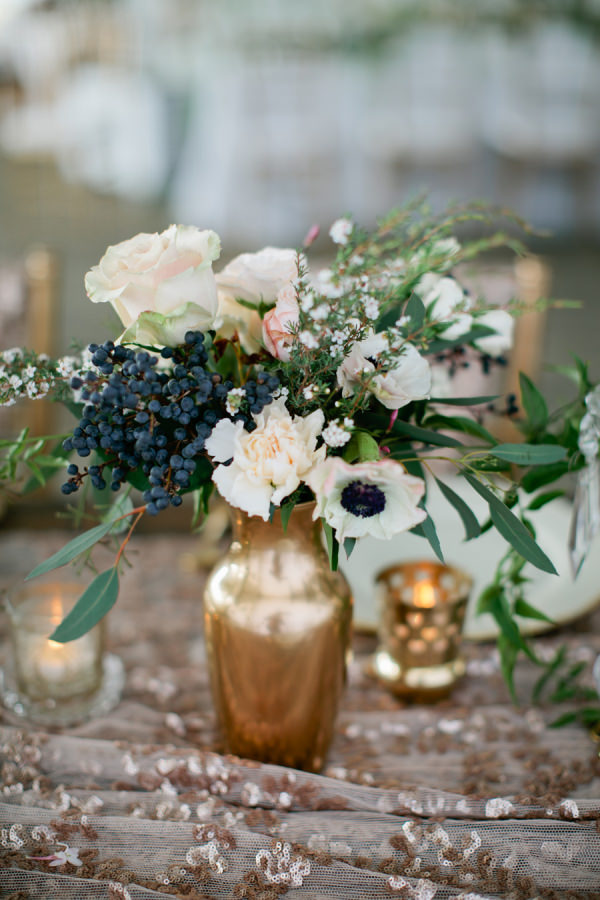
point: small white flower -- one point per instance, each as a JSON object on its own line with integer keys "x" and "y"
{"x": 32, "y": 390}
{"x": 308, "y": 340}
{"x": 66, "y": 366}
{"x": 341, "y": 230}
{"x": 334, "y": 436}
{"x": 371, "y": 308}
{"x": 307, "y": 301}
{"x": 30, "y": 372}
{"x": 371, "y": 498}
{"x": 309, "y": 391}
{"x": 11, "y": 355}
{"x": 234, "y": 400}
{"x": 15, "y": 381}
{"x": 319, "y": 313}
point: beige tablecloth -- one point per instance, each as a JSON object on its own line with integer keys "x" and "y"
{"x": 472, "y": 797}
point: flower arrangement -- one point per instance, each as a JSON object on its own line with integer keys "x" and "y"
{"x": 274, "y": 383}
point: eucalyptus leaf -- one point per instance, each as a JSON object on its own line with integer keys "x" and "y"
{"x": 529, "y": 454}
{"x": 543, "y": 475}
{"x": 349, "y": 544}
{"x": 512, "y": 529}
{"x": 97, "y": 599}
{"x": 333, "y": 547}
{"x": 542, "y": 499}
{"x": 464, "y": 401}
{"x": 460, "y": 423}
{"x": 465, "y": 512}
{"x": 415, "y": 310}
{"x": 527, "y": 611}
{"x": 73, "y": 549}
{"x": 425, "y": 435}
{"x": 533, "y": 403}
{"x": 427, "y": 530}
{"x": 286, "y": 512}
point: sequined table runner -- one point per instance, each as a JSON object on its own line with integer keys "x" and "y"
{"x": 472, "y": 797}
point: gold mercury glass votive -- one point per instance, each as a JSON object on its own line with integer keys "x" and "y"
{"x": 51, "y": 682}
{"x": 422, "y": 609}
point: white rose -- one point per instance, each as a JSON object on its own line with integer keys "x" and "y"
{"x": 406, "y": 378}
{"x": 268, "y": 463}
{"x": 448, "y": 303}
{"x": 503, "y": 324}
{"x": 377, "y": 498}
{"x": 160, "y": 285}
{"x": 253, "y": 277}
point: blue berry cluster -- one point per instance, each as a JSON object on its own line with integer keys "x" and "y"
{"x": 142, "y": 416}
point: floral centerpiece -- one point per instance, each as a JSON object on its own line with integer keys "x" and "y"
{"x": 276, "y": 383}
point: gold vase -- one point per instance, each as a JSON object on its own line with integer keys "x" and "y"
{"x": 277, "y": 629}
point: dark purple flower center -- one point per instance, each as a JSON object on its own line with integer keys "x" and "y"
{"x": 364, "y": 500}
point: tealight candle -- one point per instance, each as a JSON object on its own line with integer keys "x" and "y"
{"x": 46, "y": 670}
{"x": 422, "y": 609}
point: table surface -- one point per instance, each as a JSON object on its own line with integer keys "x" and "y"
{"x": 471, "y": 797}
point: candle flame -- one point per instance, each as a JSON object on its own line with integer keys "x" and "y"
{"x": 424, "y": 595}
{"x": 57, "y": 610}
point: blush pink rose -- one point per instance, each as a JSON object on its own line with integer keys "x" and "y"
{"x": 279, "y": 322}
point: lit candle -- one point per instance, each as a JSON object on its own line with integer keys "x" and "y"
{"x": 422, "y": 610}
{"x": 46, "y": 670}
{"x": 424, "y": 595}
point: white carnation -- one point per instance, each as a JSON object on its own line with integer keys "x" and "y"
{"x": 268, "y": 463}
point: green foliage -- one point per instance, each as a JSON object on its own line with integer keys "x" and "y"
{"x": 511, "y": 528}
{"x": 97, "y": 599}
{"x": 427, "y": 529}
{"x": 73, "y": 549}
{"x": 333, "y": 547}
{"x": 469, "y": 520}
{"x": 529, "y": 454}
{"x": 32, "y": 460}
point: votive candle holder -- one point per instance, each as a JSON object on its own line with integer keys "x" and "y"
{"x": 422, "y": 611}
{"x": 52, "y": 682}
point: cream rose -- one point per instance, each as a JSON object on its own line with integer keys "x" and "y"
{"x": 253, "y": 277}
{"x": 376, "y": 498}
{"x": 277, "y": 324}
{"x": 160, "y": 285}
{"x": 268, "y": 463}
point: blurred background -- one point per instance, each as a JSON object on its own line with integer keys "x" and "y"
{"x": 258, "y": 118}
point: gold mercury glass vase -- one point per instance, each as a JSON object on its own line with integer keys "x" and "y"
{"x": 277, "y": 629}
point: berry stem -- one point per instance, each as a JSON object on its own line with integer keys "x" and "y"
{"x": 140, "y": 512}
